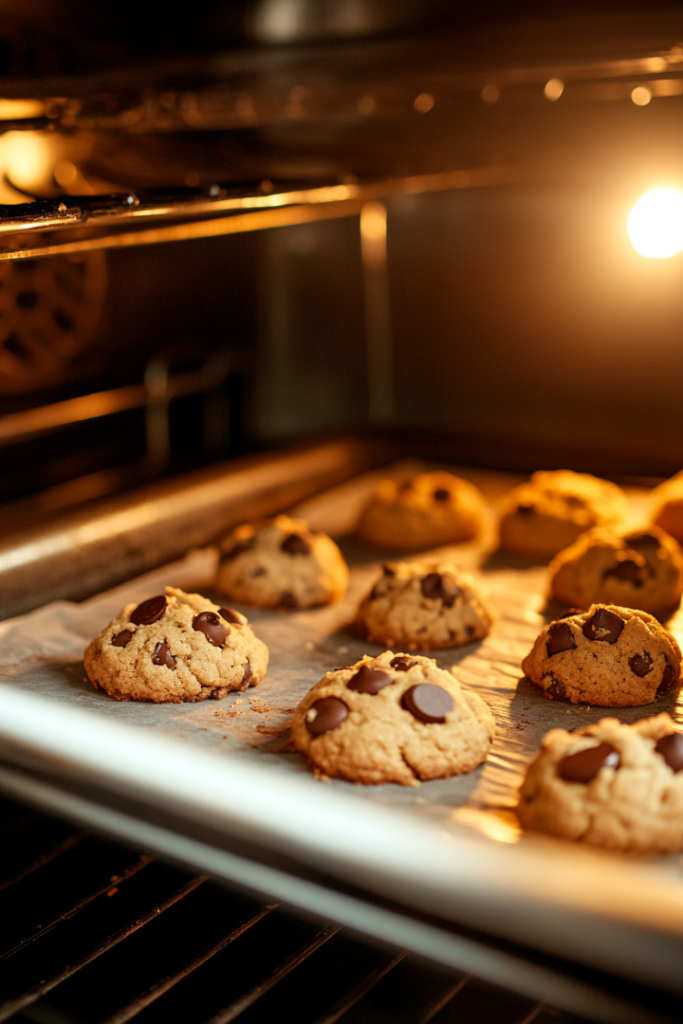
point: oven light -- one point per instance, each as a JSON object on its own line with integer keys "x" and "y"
{"x": 655, "y": 224}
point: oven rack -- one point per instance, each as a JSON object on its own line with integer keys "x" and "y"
{"x": 77, "y": 910}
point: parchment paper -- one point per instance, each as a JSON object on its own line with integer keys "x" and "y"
{"x": 42, "y": 653}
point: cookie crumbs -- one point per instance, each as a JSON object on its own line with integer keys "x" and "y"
{"x": 320, "y": 776}
{"x": 267, "y": 730}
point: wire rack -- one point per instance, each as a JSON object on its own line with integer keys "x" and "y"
{"x": 94, "y": 931}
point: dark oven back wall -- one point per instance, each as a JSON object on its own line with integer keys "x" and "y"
{"x": 519, "y": 315}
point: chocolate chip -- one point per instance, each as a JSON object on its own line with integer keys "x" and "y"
{"x": 149, "y": 611}
{"x": 526, "y": 510}
{"x": 388, "y": 569}
{"x": 295, "y": 545}
{"x": 440, "y": 587}
{"x": 441, "y": 494}
{"x": 642, "y": 540}
{"x": 162, "y": 656}
{"x": 671, "y": 749}
{"x": 560, "y": 638}
{"x": 236, "y": 550}
{"x": 627, "y": 570}
{"x": 122, "y": 638}
{"x": 585, "y": 764}
{"x": 287, "y": 600}
{"x": 325, "y": 714}
{"x": 211, "y": 626}
{"x": 640, "y": 664}
{"x": 247, "y": 673}
{"x": 427, "y": 702}
{"x": 230, "y": 615}
{"x": 556, "y": 690}
{"x": 604, "y": 625}
{"x": 668, "y": 678}
{"x": 402, "y": 662}
{"x": 258, "y": 571}
{"x": 369, "y": 680}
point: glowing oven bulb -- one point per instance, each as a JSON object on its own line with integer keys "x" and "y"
{"x": 655, "y": 224}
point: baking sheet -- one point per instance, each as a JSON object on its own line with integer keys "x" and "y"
{"x": 42, "y": 653}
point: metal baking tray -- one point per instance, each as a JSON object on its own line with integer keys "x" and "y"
{"x": 441, "y": 868}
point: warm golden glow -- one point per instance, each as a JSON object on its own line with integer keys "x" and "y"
{"x": 424, "y": 102}
{"x": 641, "y": 96}
{"x": 490, "y": 94}
{"x": 655, "y": 224}
{"x": 17, "y": 110}
{"x": 373, "y": 224}
{"x": 66, "y": 173}
{"x": 554, "y": 89}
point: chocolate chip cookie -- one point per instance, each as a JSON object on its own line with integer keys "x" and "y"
{"x": 424, "y": 606}
{"x": 173, "y": 648}
{"x": 668, "y": 506}
{"x": 553, "y": 509}
{"x": 634, "y": 568}
{"x": 395, "y": 718}
{"x": 281, "y": 563}
{"x": 610, "y": 656}
{"x": 428, "y": 510}
{"x": 612, "y": 785}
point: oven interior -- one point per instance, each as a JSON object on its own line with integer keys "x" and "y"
{"x": 276, "y": 222}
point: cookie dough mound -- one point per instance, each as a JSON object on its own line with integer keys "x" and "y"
{"x": 634, "y": 568}
{"x": 554, "y": 508}
{"x": 174, "y": 648}
{"x": 610, "y": 656}
{"x": 395, "y": 718}
{"x": 431, "y": 509}
{"x": 668, "y": 506}
{"x": 612, "y": 785}
{"x": 281, "y": 564}
{"x": 424, "y": 606}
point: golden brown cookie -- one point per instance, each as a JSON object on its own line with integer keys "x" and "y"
{"x": 634, "y": 568}
{"x": 424, "y": 606}
{"x": 424, "y": 512}
{"x": 395, "y": 718}
{"x": 610, "y": 656}
{"x": 668, "y": 506}
{"x": 554, "y": 508}
{"x": 281, "y": 563}
{"x": 174, "y": 648}
{"x": 611, "y": 785}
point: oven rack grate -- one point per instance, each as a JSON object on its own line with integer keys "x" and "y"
{"x": 94, "y": 931}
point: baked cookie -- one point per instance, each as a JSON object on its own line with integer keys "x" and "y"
{"x": 175, "y": 648}
{"x": 612, "y": 785}
{"x": 395, "y": 718}
{"x": 554, "y": 508}
{"x": 281, "y": 563}
{"x": 668, "y": 506}
{"x": 431, "y": 509}
{"x": 610, "y": 656}
{"x": 633, "y": 568}
{"x": 424, "y": 606}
